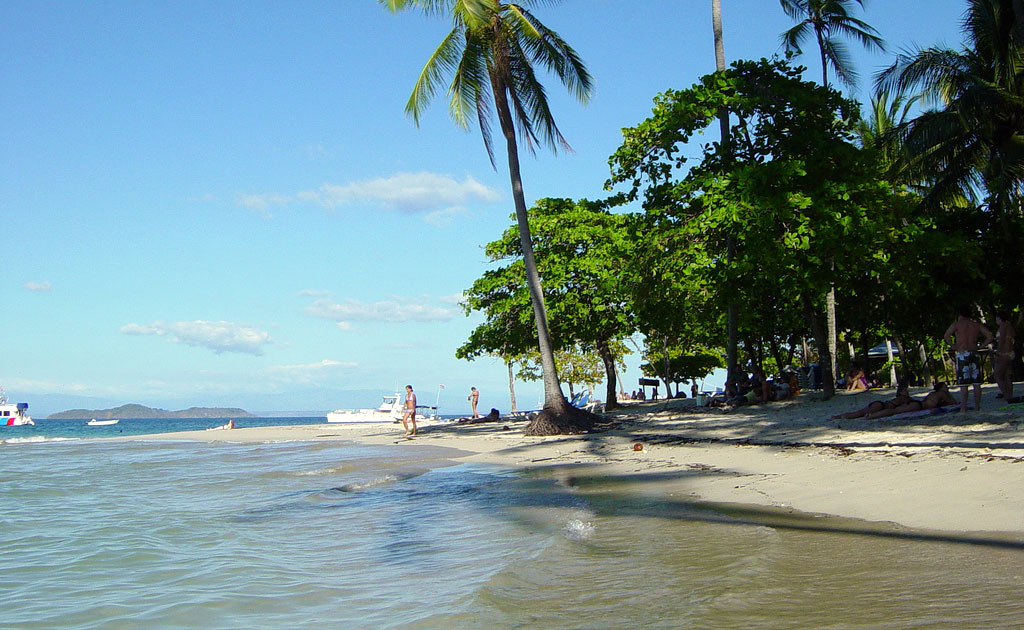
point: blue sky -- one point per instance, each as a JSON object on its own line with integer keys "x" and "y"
{"x": 223, "y": 203}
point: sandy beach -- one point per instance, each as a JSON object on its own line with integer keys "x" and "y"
{"x": 961, "y": 474}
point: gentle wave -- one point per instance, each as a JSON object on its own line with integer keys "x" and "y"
{"x": 34, "y": 439}
{"x": 105, "y": 534}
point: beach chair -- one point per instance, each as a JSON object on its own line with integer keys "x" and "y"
{"x": 580, "y": 400}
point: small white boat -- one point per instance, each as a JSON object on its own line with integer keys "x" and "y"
{"x": 101, "y": 423}
{"x": 13, "y": 415}
{"x": 389, "y": 410}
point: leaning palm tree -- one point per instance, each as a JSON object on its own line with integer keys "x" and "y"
{"x": 491, "y": 54}
{"x": 826, "y": 20}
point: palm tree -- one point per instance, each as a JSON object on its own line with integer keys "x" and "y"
{"x": 825, "y": 20}
{"x": 879, "y": 131}
{"x": 723, "y": 123}
{"x": 969, "y": 143}
{"x": 491, "y": 53}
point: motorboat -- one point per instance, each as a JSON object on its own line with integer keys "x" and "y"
{"x": 100, "y": 423}
{"x": 389, "y": 410}
{"x": 13, "y": 414}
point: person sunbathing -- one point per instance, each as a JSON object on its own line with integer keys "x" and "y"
{"x": 902, "y": 398}
{"x": 938, "y": 397}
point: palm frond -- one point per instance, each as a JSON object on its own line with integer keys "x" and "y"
{"x": 793, "y": 37}
{"x": 470, "y": 80}
{"x": 444, "y": 60}
{"x": 547, "y": 47}
{"x": 838, "y": 56}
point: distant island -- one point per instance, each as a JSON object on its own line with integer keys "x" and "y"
{"x": 141, "y": 411}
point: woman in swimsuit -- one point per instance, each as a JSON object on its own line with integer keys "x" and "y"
{"x": 902, "y": 398}
{"x": 938, "y": 397}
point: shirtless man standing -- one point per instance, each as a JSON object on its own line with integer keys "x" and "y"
{"x": 965, "y": 346}
{"x": 410, "y": 411}
{"x": 474, "y": 398}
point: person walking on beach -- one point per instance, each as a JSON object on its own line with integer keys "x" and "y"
{"x": 1004, "y": 355}
{"x": 410, "y": 411}
{"x": 963, "y": 335}
{"x": 474, "y": 398}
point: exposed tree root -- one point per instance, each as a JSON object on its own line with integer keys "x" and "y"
{"x": 562, "y": 420}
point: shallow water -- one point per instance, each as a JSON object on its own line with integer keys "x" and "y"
{"x": 320, "y": 535}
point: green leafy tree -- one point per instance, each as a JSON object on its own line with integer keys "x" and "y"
{"x": 795, "y": 191}
{"x": 491, "y": 55}
{"x": 826, "y": 21}
{"x": 674, "y": 363}
{"x": 582, "y": 250}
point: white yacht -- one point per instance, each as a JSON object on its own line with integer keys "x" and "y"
{"x": 389, "y": 410}
{"x": 12, "y": 414}
{"x": 100, "y": 423}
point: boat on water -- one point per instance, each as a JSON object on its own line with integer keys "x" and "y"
{"x": 13, "y": 414}
{"x": 389, "y": 410}
{"x": 100, "y": 423}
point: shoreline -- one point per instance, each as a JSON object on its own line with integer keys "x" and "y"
{"x": 961, "y": 473}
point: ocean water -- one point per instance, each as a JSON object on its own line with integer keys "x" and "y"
{"x": 178, "y": 534}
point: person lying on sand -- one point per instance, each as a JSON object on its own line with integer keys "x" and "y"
{"x": 938, "y": 397}
{"x": 902, "y": 398}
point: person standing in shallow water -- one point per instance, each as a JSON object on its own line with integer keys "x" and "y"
{"x": 474, "y": 398}
{"x": 963, "y": 335}
{"x": 409, "y": 413}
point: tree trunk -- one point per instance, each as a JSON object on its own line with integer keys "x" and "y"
{"x": 511, "y": 387}
{"x": 828, "y": 378}
{"x": 892, "y": 365}
{"x": 557, "y": 417}
{"x": 730, "y": 241}
{"x": 611, "y": 400}
{"x": 926, "y": 371}
{"x": 830, "y": 297}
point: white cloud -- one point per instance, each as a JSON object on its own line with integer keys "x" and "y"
{"x": 454, "y": 298}
{"x": 263, "y": 202}
{"x": 390, "y": 311}
{"x": 440, "y": 197}
{"x": 216, "y": 336}
{"x": 315, "y": 293}
{"x": 440, "y": 218}
{"x": 37, "y": 286}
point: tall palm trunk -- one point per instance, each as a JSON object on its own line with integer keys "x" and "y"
{"x": 553, "y": 397}
{"x": 723, "y": 123}
{"x": 830, "y": 297}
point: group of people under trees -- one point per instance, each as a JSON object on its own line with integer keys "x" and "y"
{"x": 965, "y": 337}
{"x": 744, "y": 389}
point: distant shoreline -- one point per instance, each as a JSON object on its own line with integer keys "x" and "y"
{"x": 138, "y": 412}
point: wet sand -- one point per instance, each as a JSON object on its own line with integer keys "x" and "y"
{"x": 950, "y": 472}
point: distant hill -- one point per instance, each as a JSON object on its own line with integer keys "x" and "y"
{"x": 141, "y": 411}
